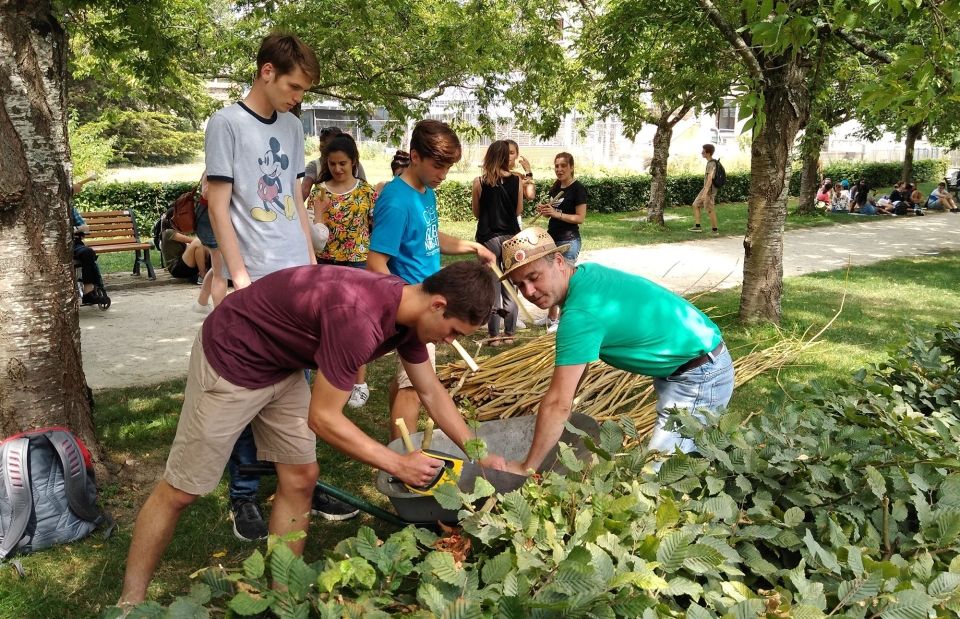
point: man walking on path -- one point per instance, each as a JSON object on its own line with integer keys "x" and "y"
{"x": 628, "y": 322}
{"x": 406, "y": 240}
{"x": 248, "y": 370}
{"x": 706, "y": 199}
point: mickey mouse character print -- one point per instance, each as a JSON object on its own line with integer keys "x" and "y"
{"x": 270, "y": 187}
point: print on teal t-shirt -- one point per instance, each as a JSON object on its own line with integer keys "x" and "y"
{"x": 630, "y": 323}
{"x": 406, "y": 228}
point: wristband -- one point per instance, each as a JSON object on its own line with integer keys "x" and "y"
{"x": 529, "y": 175}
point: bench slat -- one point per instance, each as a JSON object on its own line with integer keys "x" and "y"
{"x": 106, "y": 249}
{"x": 106, "y": 221}
{"x": 99, "y": 214}
{"x": 117, "y": 240}
{"x": 111, "y": 229}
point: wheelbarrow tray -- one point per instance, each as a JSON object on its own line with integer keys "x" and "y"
{"x": 510, "y": 438}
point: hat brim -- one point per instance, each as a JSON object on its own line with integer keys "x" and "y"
{"x": 529, "y": 259}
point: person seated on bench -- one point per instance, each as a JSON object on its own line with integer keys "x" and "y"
{"x": 942, "y": 200}
{"x": 89, "y": 271}
{"x": 184, "y": 256}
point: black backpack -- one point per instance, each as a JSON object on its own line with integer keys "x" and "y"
{"x": 719, "y": 175}
{"x": 48, "y": 494}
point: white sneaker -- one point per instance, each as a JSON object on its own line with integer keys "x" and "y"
{"x": 553, "y": 326}
{"x": 542, "y": 322}
{"x": 359, "y": 396}
{"x": 201, "y": 309}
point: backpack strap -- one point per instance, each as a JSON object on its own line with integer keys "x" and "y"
{"x": 15, "y": 476}
{"x": 74, "y": 475}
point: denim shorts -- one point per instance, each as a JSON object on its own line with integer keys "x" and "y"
{"x": 205, "y": 228}
{"x": 709, "y": 386}
{"x": 574, "y": 250}
{"x": 343, "y": 263}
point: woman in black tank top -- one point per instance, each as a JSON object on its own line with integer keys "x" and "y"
{"x": 497, "y": 204}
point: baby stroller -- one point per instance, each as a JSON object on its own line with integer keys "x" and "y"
{"x": 83, "y": 255}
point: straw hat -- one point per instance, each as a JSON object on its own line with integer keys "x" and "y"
{"x": 531, "y": 244}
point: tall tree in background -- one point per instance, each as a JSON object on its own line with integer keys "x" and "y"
{"x": 643, "y": 77}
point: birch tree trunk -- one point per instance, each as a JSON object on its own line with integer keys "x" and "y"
{"x": 41, "y": 376}
{"x": 786, "y": 102}
{"x": 658, "y": 170}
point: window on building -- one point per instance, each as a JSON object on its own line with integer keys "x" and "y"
{"x": 727, "y": 117}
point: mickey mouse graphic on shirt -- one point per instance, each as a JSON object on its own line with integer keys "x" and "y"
{"x": 269, "y": 187}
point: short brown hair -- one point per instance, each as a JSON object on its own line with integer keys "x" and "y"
{"x": 433, "y": 139}
{"x": 710, "y": 148}
{"x": 469, "y": 288}
{"x": 566, "y": 156}
{"x": 285, "y": 52}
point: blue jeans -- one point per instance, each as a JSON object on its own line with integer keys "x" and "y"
{"x": 709, "y": 386}
{"x": 574, "y": 250}
{"x": 244, "y": 452}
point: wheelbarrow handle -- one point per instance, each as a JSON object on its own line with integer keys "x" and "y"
{"x": 359, "y": 503}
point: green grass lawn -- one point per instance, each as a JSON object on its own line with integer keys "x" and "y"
{"x": 137, "y": 425}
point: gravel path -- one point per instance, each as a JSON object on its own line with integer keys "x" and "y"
{"x": 146, "y": 335}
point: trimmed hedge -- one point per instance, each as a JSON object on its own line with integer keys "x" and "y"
{"x": 614, "y": 194}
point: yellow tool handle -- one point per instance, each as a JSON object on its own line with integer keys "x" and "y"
{"x": 405, "y": 435}
{"x": 513, "y": 294}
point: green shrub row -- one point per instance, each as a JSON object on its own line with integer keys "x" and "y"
{"x": 877, "y": 175}
{"x": 615, "y": 194}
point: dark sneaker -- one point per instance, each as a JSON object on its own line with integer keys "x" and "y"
{"x": 696, "y": 229}
{"x": 329, "y": 508}
{"x": 248, "y": 524}
{"x": 93, "y": 298}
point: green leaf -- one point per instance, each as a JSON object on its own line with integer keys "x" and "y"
{"x": 448, "y": 496}
{"x": 185, "y": 608}
{"x": 909, "y": 604}
{"x": 281, "y": 564}
{"x": 483, "y": 488}
{"x": 737, "y": 590}
{"x": 793, "y": 516}
{"x": 672, "y": 550}
{"x": 825, "y": 557}
{"x": 702, "y": 559}
{"x": 695, "y": 611}
{"x": 876, "y": 481}
{"x": 245, "y": 604}
{"x": 944, "y": 584}
{"x": 441, "y": 565}
{"x": 568, "y": 458}
{"x": 430, "y": 596}
{"x": 611, "y": 436}
{"x": 853, "y": 591}
{"x": 667, "y": 513}
{"x": 217, "y": 580}
{"x": 683, "y": 586}
{"x": 254, "y": 565}
{"x": 463, "y": 609}
{"x": 495, "y": 569}
{"x": 200, "y": 593}
{"x": 576, "y": 579}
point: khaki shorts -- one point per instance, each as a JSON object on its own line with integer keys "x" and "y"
{"x": 403, "y": 381}
{"x": 706, "y": 199}
{"x": 215, "y": 412}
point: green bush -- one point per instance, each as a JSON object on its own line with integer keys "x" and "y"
{"x": 148, "y": 201}
{"x": 842, "y": 503}
{"x": 877, "y": 174}
{"x": 613, "y": 194}
{"x": 90, "y": 150}
{"x": 149, "y": 138}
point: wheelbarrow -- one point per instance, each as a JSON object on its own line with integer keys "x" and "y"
{"x": 510, "y": 438}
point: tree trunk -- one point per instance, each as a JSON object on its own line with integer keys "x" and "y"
{"x": 41, "y": 377}
{"x": 913, "y": 132}
{"x": 786, "y": 101}
{"x": 810, "y": 172}
{"x": 658, "y": 170}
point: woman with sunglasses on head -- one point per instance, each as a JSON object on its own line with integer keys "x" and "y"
{"x": 344, "y": 204}
{"x": 496, "y": 203}
{"x": 566, "y": 210}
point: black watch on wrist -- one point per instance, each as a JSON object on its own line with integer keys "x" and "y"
{"x": 529, "y": 175}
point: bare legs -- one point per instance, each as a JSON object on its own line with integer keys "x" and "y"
{"x": 214, "y": 283}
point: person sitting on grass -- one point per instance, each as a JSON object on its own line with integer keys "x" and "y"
{"x": 942, "y": 200}
{"x": 840, "y": 199}
{"x": 864, "y": 203}
{"x": 248, "y": 370}
{"x": 823, "y": 196}
{"x": 184, "y": 256}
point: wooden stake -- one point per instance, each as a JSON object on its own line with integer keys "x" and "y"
{"x": 466, "y": 357}
{"x": 405, "y": 435}
{"x": 427, "y": 435}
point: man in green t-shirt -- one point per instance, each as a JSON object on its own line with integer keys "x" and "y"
{"x": 628, "y": 322}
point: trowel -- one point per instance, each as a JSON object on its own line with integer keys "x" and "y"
{"x": 455, "y": 470}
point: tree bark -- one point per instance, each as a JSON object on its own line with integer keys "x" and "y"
{"x": 810, "y": 170}
{"x": 786, "y": 101}
{"x": 41, "y": 376}
{"x": 658, "y": 170}
{"x": 913, "y": 133}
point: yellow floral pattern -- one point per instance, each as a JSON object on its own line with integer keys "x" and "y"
{"x": 348, "y": 218}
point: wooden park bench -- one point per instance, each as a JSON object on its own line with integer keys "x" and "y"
{"x": 112, "y": 231}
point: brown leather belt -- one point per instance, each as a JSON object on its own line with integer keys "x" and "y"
{"x": 698, "y": 361}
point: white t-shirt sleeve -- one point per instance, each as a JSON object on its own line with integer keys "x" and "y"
{"x": 218, "y": 149}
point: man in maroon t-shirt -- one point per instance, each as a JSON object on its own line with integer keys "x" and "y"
{"x": 247, "y": 367}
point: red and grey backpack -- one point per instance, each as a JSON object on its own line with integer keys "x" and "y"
{"x": 47, "y": 491}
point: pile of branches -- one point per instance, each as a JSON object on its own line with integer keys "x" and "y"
{"x": 511, "y": 383}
